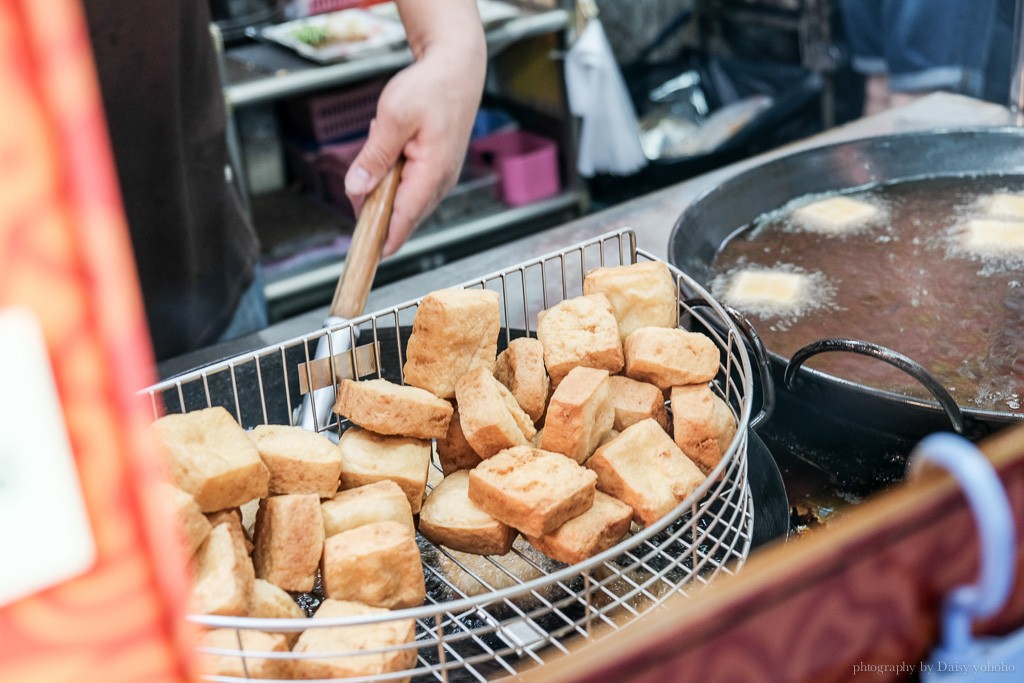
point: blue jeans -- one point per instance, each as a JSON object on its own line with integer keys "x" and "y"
{"x": 251, "y": 314}
{"x": 924, "y": 44}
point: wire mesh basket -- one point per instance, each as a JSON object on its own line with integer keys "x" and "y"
{"x": 491, "y": 617}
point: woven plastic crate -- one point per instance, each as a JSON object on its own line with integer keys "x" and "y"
{"x": 335, "y": 115}
{"x": 308, "y": 8}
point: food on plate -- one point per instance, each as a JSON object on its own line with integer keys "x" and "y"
{"x": 368, "y": 457}
{"x": 372, "y": 637}
{"x": 453, "y": 451}
{"x": 520, "y": 367}
{"x": 223, "y": 575}
{"x": 212, "y": 458}
{"x": 381, "y": 501}
{"x": 596, "y": 530}
{"x": 994, "y": 237}
{"x": 1003, "y": 205}
{"x": 580, "y": 331}
{"x": 641, "y": 294}
{"x": 777, "y": 291}
{"x": 837, "y": 215}
{"x": 451, "y": 519}
{"x": 393, "y": 409}
{"x": 532, "y": 490}
{"x": 289, "y": 540}
{"x": 703, "y": 426}
{"x": 633, "y": 400}
{"x": 251, "y": 641}
{"x": 646, "y": 470}
{"x": 455, "y": 331}
{"x": 580, "y": 414}
{"x": 268, "y": 601}
{"x": 299, "y": 461}
{"x": 376, "y": 564}
{"x": 490, "y": 417}
{"x": 195, "y": 527}
{"x": 670, "y": 357}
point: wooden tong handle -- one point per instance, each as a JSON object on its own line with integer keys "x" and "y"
{"x": 367, "y": 241}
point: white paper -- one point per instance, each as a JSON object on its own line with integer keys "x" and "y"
{"x": 45, "y": 538}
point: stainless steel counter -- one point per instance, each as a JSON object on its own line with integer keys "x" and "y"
{"x": 651, "y": 216}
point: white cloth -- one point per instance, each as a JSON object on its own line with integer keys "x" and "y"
{"x": 609, "y": 134}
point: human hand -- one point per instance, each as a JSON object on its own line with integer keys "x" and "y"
{"x": 425, "y": 112}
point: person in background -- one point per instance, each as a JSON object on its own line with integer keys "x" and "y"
{"x": 195, "y": 248}
{"x": 909, "y": 48}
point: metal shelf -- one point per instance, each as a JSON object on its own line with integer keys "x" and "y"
{"x": 307, "y": 78}
{"x": 421, "y": 245}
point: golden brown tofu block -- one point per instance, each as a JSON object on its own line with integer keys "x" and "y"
{"x": 289, "y": 540}
{"x": 385, "y": 635}
{"x": 193, "y": 524}
{"x": 367, "y": 458}
{"x": 393, "y": 409}
{"x": 645, "y": 469}
{"x": 223, "y": 575}
{"x": 453, "y": 451}
{"x": 267, "y": 601}
{"x": 634, "y": 401}
{"x": 580, "y": 414}
{"x": 376, "y": 564}
{"x": 489, "y": 415}
{"x": 580, "y": 331}
{"x": 211, "y": 457}
{"x": 641, "y": 294}
{"x": 251, "y": 642}
{"x": 703, "y": 425}
{"x": 599, "y": 528}
{"x": 232, "y": 517}
{"x": 670, "y": 357}
{"x": 299, "y": 461}
{"x": 451, "y": 519}
{"x": 381, "y": 501}
{"x": 520, "y": 367}
{"x": 455, "y": 331}
{"x": 532, "y": 490}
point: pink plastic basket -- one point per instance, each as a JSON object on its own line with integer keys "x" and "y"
{"x": 527, "y": 164}
{"x": 335, "y": 115}
{"x": 307, "y": 8}
{"x": 334, "y": 162}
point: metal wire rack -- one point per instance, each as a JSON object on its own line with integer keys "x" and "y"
{"x": 491, "y": 617}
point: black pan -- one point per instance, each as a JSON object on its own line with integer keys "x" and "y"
{"x": 859, "y": 434}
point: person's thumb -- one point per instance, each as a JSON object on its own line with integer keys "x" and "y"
{"x": 383, "y": 145}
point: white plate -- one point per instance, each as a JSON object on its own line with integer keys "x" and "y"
{"x": 357, "y": 33}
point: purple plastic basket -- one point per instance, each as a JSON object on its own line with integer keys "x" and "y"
{"x": 526, "y": 163}
{"x": 334, "y": 162}
{"x": 335, "y": 115}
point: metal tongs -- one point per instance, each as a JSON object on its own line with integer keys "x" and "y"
{"x": 353, "y": 288}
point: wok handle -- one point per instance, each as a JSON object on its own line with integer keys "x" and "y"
{"x": 894, "y": 358}
{"x": 764, "y": 369}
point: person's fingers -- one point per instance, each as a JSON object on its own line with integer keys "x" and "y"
{"x": 388, "y": 135}
{"x": 421, "y": 188}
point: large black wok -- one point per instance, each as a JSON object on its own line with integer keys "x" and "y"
{"x": 858, "y": 434}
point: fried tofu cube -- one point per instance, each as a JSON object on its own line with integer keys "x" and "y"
{"x": 532, "y": 490}
{"x": 381, "y": 501}
{"x": 599, "y": 528}
{"x": 289, "y": 540}
{"x": 300, "y": 461}
{"x": 455, "y": 331}
{"x": 775, "y": 290}
{"x": 703, "y": 425}
{"x": 387, "y": 636}
{"x": 393, "y": 409}
{"x": 489, "y": 415}
{"x": 633, "y": 401}
{"x": 580, "y": 414}
{"x": 376, "y": 564}
{"x": 233, "y": 518}
{"x": 520, "y": 367}
{"x": 986, "y": 236}
{"x": 641, "y": 294}
{"x": 268, "y": 601}
{"x": 223, "y": 575}
{"x": 212, "y": 458}
{"x": 837, "y": 215}
{"x": 451, "y": 519}
{"x": 580, "y": 331}
{"x": 1004, "y": 206}
{"x": 670, "y": 357}
{"x": 193, "y": 524}
{"x": 453, "y": 451}
{"x": 646, "y": 470}
{"x": 368, "y": 458}
{"x": 251, "y": 642}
